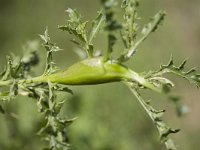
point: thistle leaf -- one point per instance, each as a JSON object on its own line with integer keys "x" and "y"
{"x": 50, "y": 48}
{"x": 154, "y": 23}
{"x": 96, "y": 25}
{"x": 78, "y": 31}
{"x": 74, "y": 16}
{"x": 155, "y": 115}
{"x": 75, "y": 25}
{"x": 189, "y": 75}
{"x": 45, "y": 37}
{"x": 130, "y": 25}
{"x": 149, "y": 28}
{"x": 182, "y": 65}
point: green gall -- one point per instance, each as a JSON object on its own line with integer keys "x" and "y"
{"x": 95, "y": 71}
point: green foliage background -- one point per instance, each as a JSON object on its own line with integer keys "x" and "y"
{"x": 109, "y": 118}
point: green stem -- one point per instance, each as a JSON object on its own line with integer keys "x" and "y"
{"x": 144, "y": 82}
{"x": 93, "y": 71}
{"x": 163, "y": 130}
{"x": 38, "y": 79}
{"x": 153, "y": 26}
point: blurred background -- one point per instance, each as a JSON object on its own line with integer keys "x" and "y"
{"x": 109, "y": 117}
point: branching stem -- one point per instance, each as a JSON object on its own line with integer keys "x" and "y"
{"x": 150, "y": 28}
{"x": 155, "y": 115}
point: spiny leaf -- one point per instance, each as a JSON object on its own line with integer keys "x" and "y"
{"x": 14, "y": 68}
{"x": 96, "y": 25}
{"x": 170, "y": 63}
{"x": 181, "y": 67}
{"x": 155, "y": 115}
{"x": 190, "y": 71}
{"x": 166, "y": 132}
{"x": 18, "y": 68}
{"x": 154, "y": 23}
{"x": 78, "y": 31}
{"x": 45, "y": 37}
{"x": 54, "y": 130}
{"x": 50, "y": 48}
{"x": 149, "y": 28}
{"x": 130, "y": 25}
{"x": 75, "y": 25}
{"x": 190, "y": 75}
{"x": 74, "y": 16}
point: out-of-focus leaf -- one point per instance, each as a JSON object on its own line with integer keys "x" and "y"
{"x": 112, "y": 26}
{"x": 6, "y": 74}
{"x": 13, "y": 89}
{"x": 111, "y": 41}
{"x": 2, "y": 110}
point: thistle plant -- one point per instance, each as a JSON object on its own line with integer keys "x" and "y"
{"x": 16, "y": 78}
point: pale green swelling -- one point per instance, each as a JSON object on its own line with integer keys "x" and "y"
{"x": 95, "y": 71}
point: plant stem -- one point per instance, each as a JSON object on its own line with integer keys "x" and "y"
{"x": 31, "y": 80}
{"x": 152, "y": 27}
{"x": 155, "y": 115}
{"x": 38, "y": 79}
